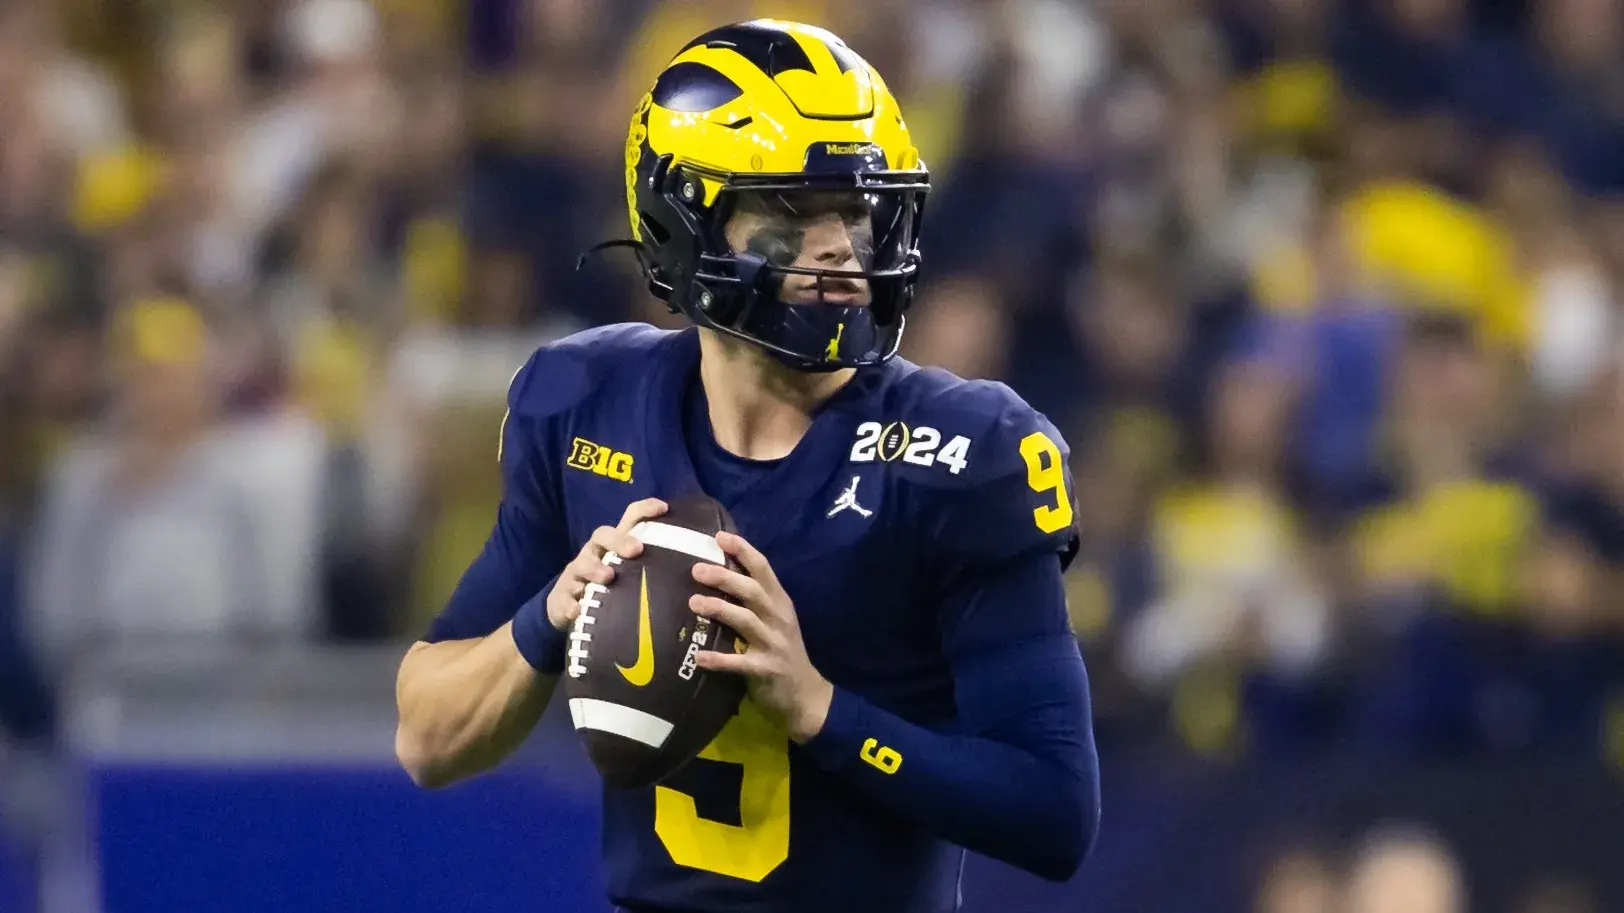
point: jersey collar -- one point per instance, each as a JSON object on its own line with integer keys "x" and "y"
{"x": 763, "y": 511}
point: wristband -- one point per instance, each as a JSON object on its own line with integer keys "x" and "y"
{"x": 541, "y": 644}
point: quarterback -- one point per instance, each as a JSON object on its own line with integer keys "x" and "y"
{"x": 914, "y": 690}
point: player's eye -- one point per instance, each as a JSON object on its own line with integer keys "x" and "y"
{"x": 779, "y": 245}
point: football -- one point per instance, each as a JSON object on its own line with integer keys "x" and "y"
{"x": 641, "y": 705}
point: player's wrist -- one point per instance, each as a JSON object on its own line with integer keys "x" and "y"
{"x": 813, "y": 711}
{"x": 848, "y": 720}
{"x": 542, "y": 643}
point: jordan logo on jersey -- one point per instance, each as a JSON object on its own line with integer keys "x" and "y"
{"x": 848, "y": 501}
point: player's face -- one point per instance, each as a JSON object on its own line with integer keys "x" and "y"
{"x": 824, "y": 231}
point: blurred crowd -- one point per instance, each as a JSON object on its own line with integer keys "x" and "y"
{"x": 1325, "y": 296}
{"x": 1396, "y": 868}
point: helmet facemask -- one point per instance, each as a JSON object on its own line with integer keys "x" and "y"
{"x": 817, "y": 269}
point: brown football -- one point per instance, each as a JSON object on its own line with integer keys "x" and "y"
{"x": 638, "y": 701}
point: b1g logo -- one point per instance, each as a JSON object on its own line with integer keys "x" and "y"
{"x": 600, "y": 460}
{"x": 921, "y": 446}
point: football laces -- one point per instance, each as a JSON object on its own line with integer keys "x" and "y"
{"x": 578, "y": 652}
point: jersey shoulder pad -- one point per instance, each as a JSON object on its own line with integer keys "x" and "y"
{"x": 1001, "y": 482}
{"x": 564, "y": 373}
{"x": 989, "y": 415}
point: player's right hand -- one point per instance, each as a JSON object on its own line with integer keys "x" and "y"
{"x": 564, "y": 602}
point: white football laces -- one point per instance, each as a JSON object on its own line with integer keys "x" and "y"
{"x": 579, "y": 635}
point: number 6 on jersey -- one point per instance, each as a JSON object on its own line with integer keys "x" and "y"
{"x": 1046, "y": 471}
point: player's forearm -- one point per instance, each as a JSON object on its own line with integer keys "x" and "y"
{"x": 1026, "y": 793}
{"x": 464, "y": 706}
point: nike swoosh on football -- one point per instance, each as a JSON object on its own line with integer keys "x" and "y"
{"x": 642, "y": 671}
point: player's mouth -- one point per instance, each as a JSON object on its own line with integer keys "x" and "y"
{"x": 836, "y": 293}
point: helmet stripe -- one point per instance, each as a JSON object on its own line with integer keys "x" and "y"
{"x": 772, "y": 50}
{"x": 821, "y": 54}
{"x": 693, "y": 88}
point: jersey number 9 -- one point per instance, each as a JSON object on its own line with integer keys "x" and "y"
{"x": 1046, "y": 472}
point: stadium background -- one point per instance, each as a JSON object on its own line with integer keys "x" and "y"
{"x": 1326, "y": 296}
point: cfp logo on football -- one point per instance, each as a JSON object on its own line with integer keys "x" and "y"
{"x": 600, "y": 460}
{"x": 696, "y": 642}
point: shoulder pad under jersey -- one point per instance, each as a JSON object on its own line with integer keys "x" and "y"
{"x": 563, "y": 373}
{"x": 991, "y": 474}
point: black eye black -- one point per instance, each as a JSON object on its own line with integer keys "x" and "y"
{"x": 779, "y": 247}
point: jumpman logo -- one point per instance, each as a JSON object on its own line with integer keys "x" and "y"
{"x": 848, "y": 501}
{"x": 833, "y": 351}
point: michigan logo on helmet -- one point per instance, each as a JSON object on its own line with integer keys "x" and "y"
{"x": 775, "y": 195}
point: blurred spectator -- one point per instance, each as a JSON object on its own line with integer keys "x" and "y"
{"x": 1126, "y": 369}
{"x": 1440, "y": 534}
{"x": 169, "y": 524}
{"x": 962, "y": 326}
{"x": 1573, "y": 328}
{"x": 1237, "y": 591}
{"x": 1417, "y": 245}
{"x": 1405, "y": 872}
{"x": 1340, "y": 341}
{"x": 1557, "y": 896}
{"x": 82, "y": 106}
{"x": 1299, "y": 881}
{"x": 1440, "y": 521}
{"x": 1577, "y": 96}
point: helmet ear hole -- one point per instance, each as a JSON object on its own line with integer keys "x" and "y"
{"x": 657, "y": 174}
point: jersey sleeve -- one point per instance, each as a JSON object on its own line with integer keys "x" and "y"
{"x": 1018, "y": 778}
{"x": 1017, "y": 497}
{"x": 529, "y": 544}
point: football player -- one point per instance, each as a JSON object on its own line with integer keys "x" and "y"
{"x": 914, "y": 688}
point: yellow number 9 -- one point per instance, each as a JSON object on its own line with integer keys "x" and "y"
{"x": 1046, "y": 471}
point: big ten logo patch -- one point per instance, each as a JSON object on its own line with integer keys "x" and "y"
{"x": 601, "y": 460}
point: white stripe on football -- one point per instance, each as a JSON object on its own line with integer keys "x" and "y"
{"x": 680, "y": 539}
{"x": 618, "y": 719}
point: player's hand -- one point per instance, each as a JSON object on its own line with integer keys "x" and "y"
{"x": 564, "y": 602}
{"x": 782, "y": 678}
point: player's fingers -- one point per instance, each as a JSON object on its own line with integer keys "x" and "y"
{"x": 745, "y": 623}
{"x": 738, "y": 663}
{"x": 589, "y": 569}
{"x": 622, "y": 543}
{"x": 570, "y": 584}
{"x": 733, "y": 583}
{"x": 754, "y": 562}
{"x": 592, "y": 550}
{"x": 638, "y": 511}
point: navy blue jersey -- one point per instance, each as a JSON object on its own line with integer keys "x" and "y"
{"x": 911, "y": 490}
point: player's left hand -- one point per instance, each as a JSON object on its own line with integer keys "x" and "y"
{"x": 782, "y": 677}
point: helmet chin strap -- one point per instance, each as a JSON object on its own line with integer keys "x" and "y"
{"x": 657, "y": 286}
{"x": 594, "y": 250}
